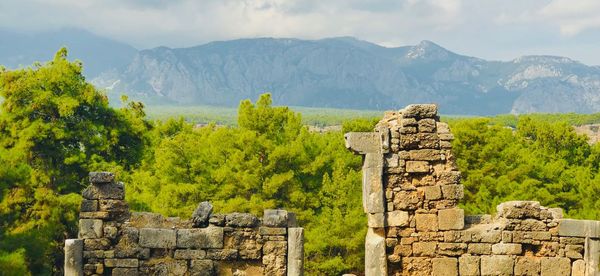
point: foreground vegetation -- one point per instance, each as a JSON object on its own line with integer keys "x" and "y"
{"x": 55, "y": 128}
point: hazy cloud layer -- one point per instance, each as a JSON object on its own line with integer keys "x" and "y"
{"x": 493, "y": 29}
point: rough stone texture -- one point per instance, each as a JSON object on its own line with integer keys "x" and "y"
{"x": 426, "y": 222}
{"x": 397, "y": 218}
{"x": 210, "y": 237}
{"x": 451, "y": 219}
{"x": 73, "y": 257}
{"x": 507, "y": 249}
{"x": 527, "y": 266}
{"x": 578, "y": 268}
{"x": 468, "y": 265}
{"x": 497, "y": 265}
{"x": 115, "y": 241}
{"x": 444, "y": 266}
{"x": 101, "y": 177}
{"x": 555, "y": 266}
{"x": 275, "y": 218}
{"x": 202, "y": 214}
{"x": 158, "y": 238}
{"x": 375, "y": 257}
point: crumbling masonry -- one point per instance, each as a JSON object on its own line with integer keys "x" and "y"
{"x": 114, "y": 241}
{"x": 411, "y": 187}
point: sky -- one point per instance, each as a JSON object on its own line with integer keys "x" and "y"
{"x": 490, "y": 29}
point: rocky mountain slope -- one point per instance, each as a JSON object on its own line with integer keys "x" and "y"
{"x": 335, "y": 72}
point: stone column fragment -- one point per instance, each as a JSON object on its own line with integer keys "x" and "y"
{"x": 369, "y": 145}
{"x": 295, "y": 256}
{"x": 73, "y": 257}
{"x": 375, "y": 257}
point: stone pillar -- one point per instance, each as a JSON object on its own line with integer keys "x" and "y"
{"x": 295, "y": 256}
{"x": 375, "y": 257}
{"x": 592, "y": 256}
{"x": 73, "y": 257}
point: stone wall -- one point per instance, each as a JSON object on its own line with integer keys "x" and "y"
{"x": 114, "y": 241}
{"x": 411, "y": 190}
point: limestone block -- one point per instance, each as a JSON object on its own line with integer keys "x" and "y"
{"x": 453, "y": 191}
{"x": 451, "y": 219}
{"x": 507, "y": 249}
{"x": 275, "y": 218}
{"x": 73, "y": 257}
{"x": 527, "y": 266}
{"x": 432, "y": 192}
{"x": 375, "y": 256}
{"x": 202, "y": 268}
{"x": 497, "y": 265}
{"x": 188, "y": 254}
{"x": 422, "y": 249}
{"x": 124, "y": 271}
{"x": 121, "y": 262}
{"x": 96, "y": 244}
{"x": 222, "y": 254}
{"x": 420, "y": 111}
{"x": 241, "y": 220}
{"x": 217, "y": 219}
{"x": 555, "y": 266}
{"x": 104, "y": 191}
{"x": 376, "y": 220}
{"x": 574, "y": 251}
{"x": 101, "y": 177}
{"x": 94, "y": 215}
{"x": 426, "y": 155}
{"x": 158, "y": 238}
{"x": 427, "y": 125}
{"x": 592, "y": 256}
{"x": 444, "y": 266}
{"x": 468, "y": 265}
{"x": 90, "y": 228}
{"x": 426, "y": 222}
{"x": 88, "y": 206}
{"x": 417, "y": 166}
{"x": 397, "y": 218}
{"x": 392, "y": 160}
{"x": 408, "y": 200}
{"x": 519, "y": 209}
{"x": 448, "y": 177}
{"x": 479, "y": 249}
{"x": 578, "y": 268}
{"x": 372, "y": 184}
{"x": 272, "y": 231}
{"x": 363, "y": 142}
{"x": 416, "y": 266}
{"x": 295, "y": 258}
{"x": 451, "y": 249}
{"x": 274, "y": 258}
{"x": 442, "y": 127}
{"x": 579, "y": 228}
{"x": 196, "y": 238}
{"x": 201, "y": 216}
{"x": 428, "y": 140}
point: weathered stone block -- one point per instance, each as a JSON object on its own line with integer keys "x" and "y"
{"x": 104, "y": 191}
{"x": 202, "y": 214}
{"x": 497, "y": 265}
{"x": 453, "y": 191}
{"x": 444, "y": 266}
{"x": 121, "y": 263}
{"x": 448, "y": 178}
{"x": 579, "y": 228}
{"x": 416, "y": 266}
{"x": 451, "y": 219}
{"x": 372, "y": 184}
{"x": 73, "y": 257}
{"x": 222, "y": 254}
{"x": 90, "y": 228}
{"x": 426, "y": 155}
{"x": 363, "y": 142}
{"x": 89, "y": 205}
{"x": 94, "y": 215}
{"x": 375, "y": 256}
{"x": 451, "y": 249}
{"x": 275, "y": 218}
{"x": 468, "y": 265}
{"x": 442, "y": 127}
{"x": 187, "y": 254}
{"x": 101, "y": 177}
{"x": 408, "y": 200}
{"x": 272, "y": 231}
{"x": 432, "y": 192}
{"x": 241, "y": 220}
{"x": 427, "y": 125}
{"x": 274, "y": 258}
{"x": 420, "y": 111}
{"x": 507, "y": 249}
{"x": 217, "y": 219}
{"x": 519, "y": 209}
{"x": 417, "y": 166}
{"x": 527, "y": 266}
{"x": 202, "y": 268}
{"x": 210, "y": 237}
{"x": 376, "y": 220}
{"x": 125, "y": 271}
{"x": 397, "y": 218}
{"x": 578, "y": 268}
{"x": 574, "y": 251}
{"x": 158, "y": 238}
{"x": 422, "y": 249}
{"x": 96, "y": 244}
{"x": 555, "y": 266}
{"x": 479, "y": 249}
{"x": 426, "y": 222}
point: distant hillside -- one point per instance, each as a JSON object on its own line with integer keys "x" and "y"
{"x": 334, "y": 73}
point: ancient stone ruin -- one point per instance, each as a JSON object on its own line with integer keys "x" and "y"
{"x": 411, "y": 189}
{"x": 114, "y": 241}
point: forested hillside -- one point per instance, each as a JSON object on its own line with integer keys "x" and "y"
{"x": 55, "y": 128}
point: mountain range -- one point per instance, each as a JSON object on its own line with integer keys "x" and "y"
{"x": 341, "y": 72}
